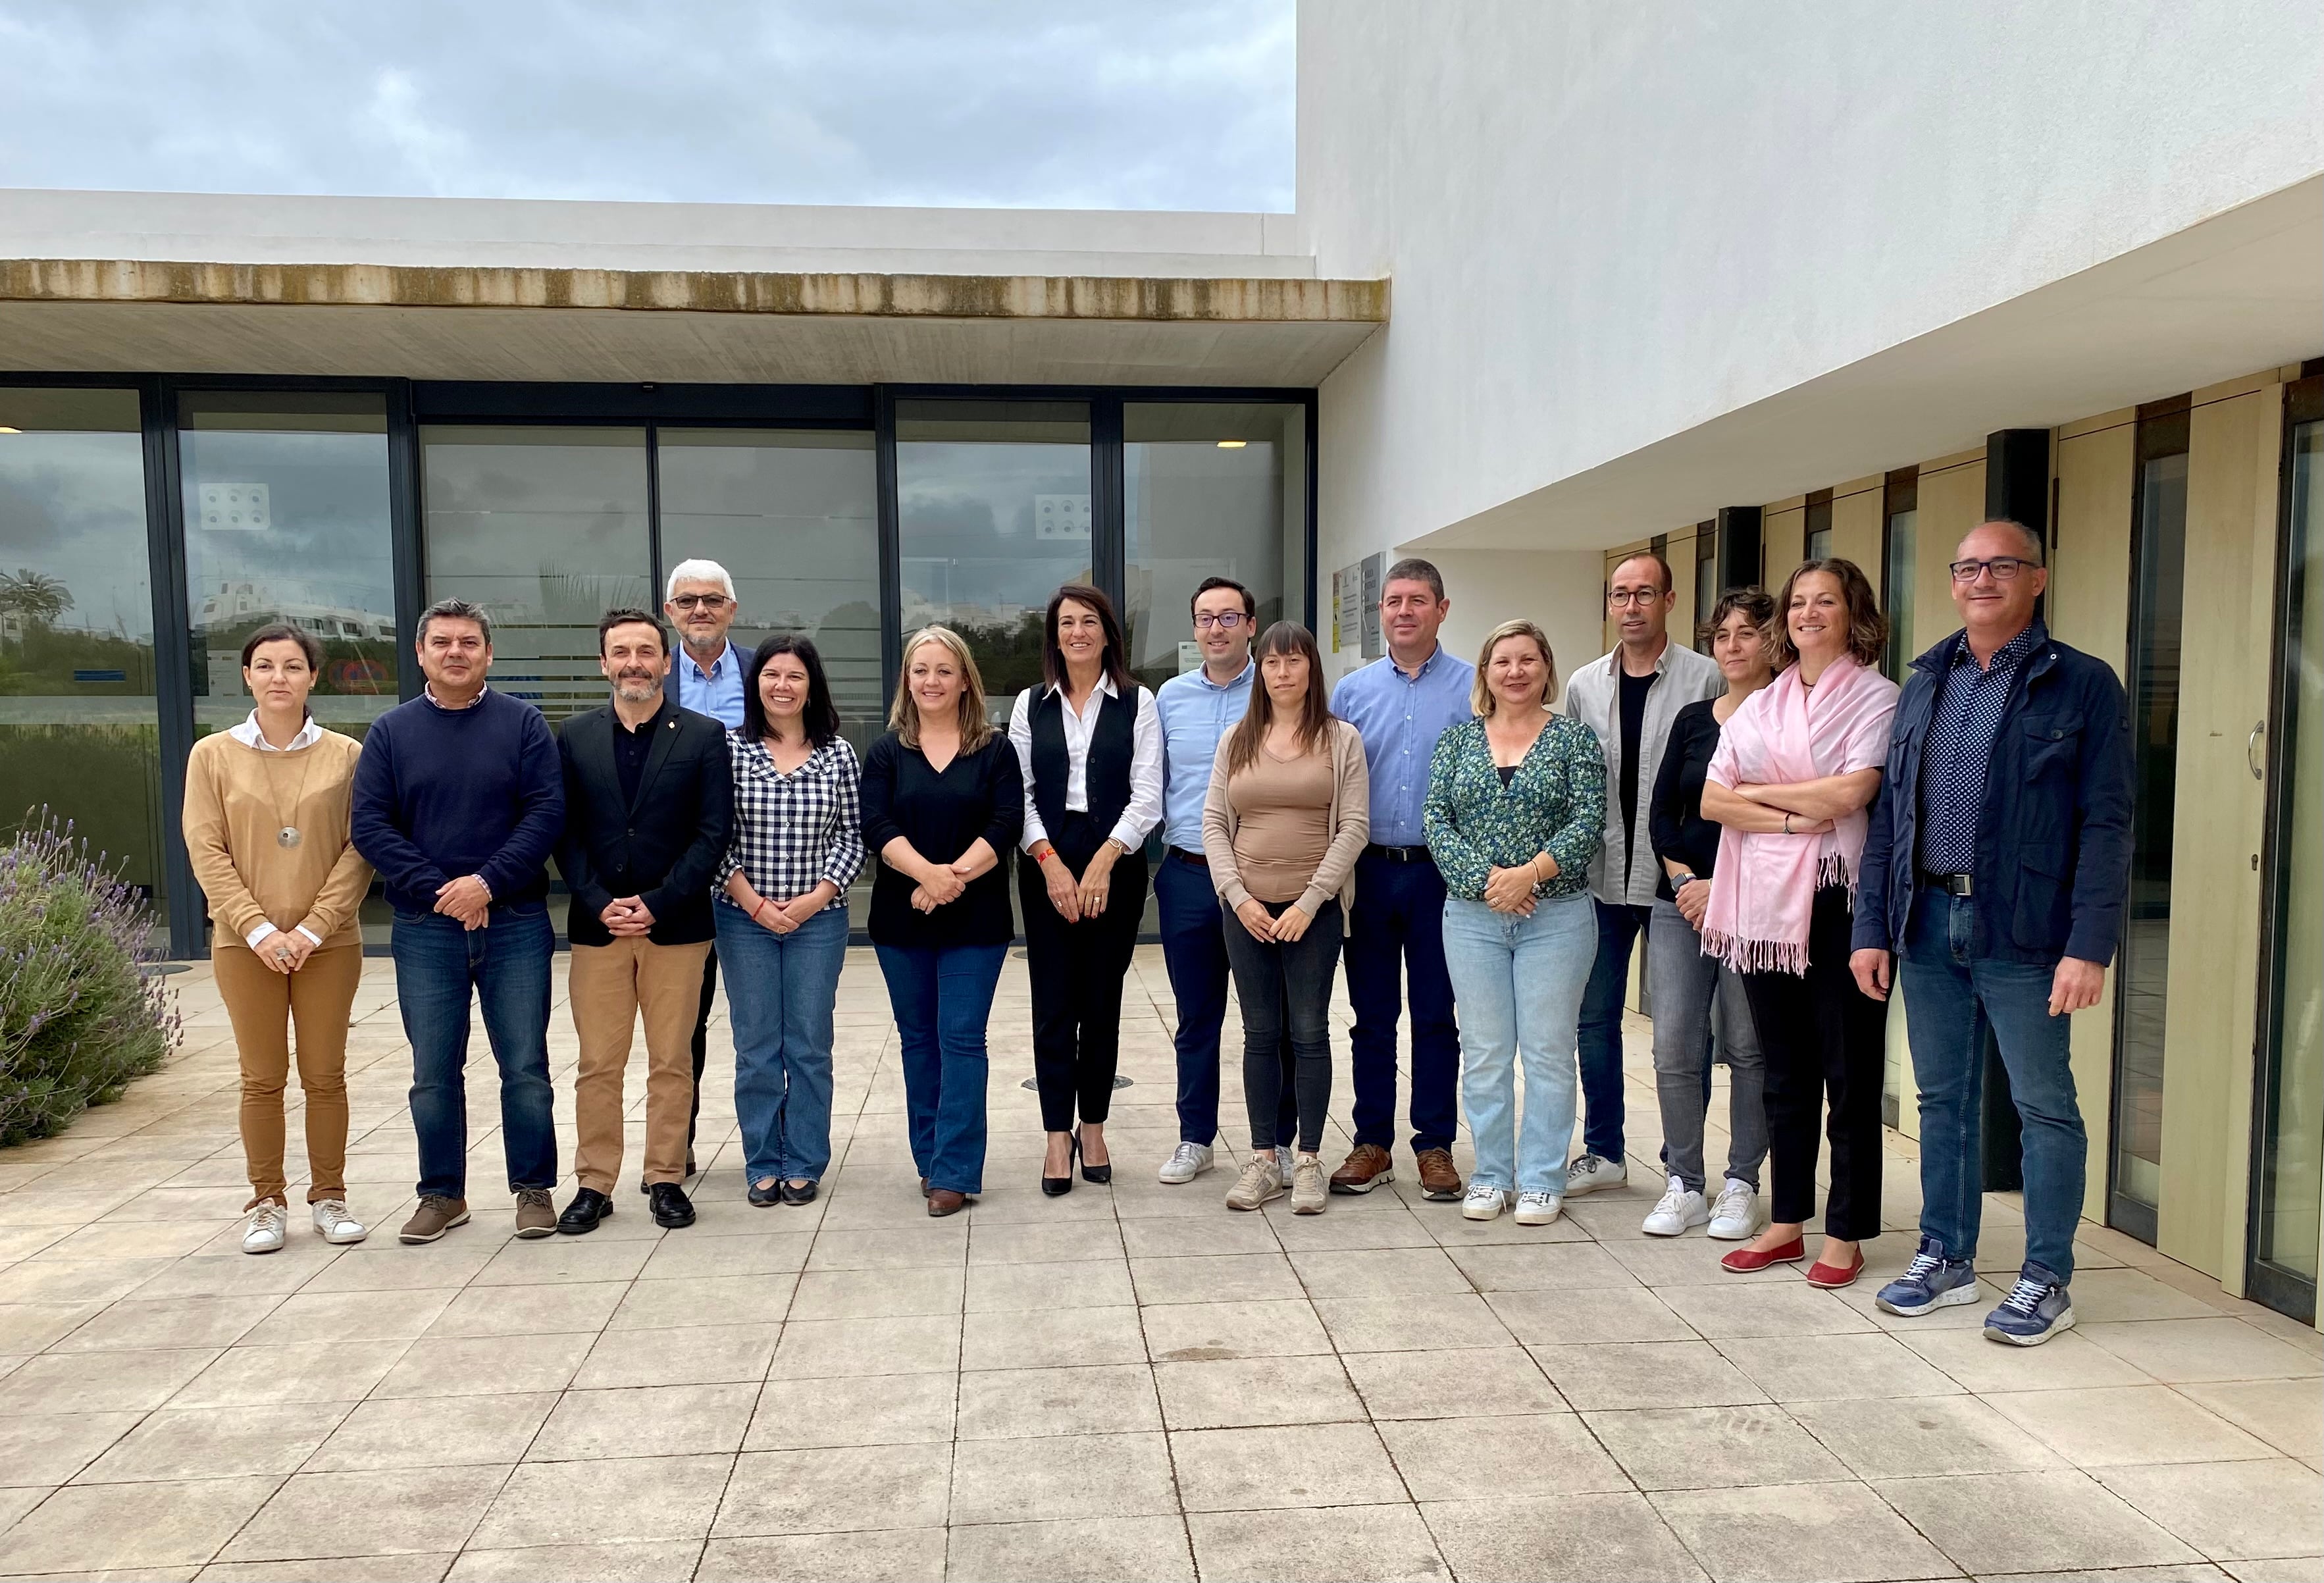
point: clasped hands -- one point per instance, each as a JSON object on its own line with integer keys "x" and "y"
{"x": 466, "y": 898}
{"x": 285, "y": 950}
{"x": 626, "y": 916}
{"x": 940, "y": 883}
{"x": 1076, "y": 899}
{"x": 1275, "y": 929}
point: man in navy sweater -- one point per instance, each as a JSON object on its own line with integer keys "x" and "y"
{"x": 460, "y": 799}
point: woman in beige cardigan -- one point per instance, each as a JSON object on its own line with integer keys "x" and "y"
{"x": 266, "y": 828}
{"x": 1288, "y": 809}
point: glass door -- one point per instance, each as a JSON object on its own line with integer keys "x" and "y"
{"x": 2142, "y": 977}
{"x": 2288, "y": 1160}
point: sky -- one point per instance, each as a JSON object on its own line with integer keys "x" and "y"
{"x": 1052, "y": 104}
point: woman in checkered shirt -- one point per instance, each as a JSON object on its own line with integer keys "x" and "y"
{"x": 798, "y": 844}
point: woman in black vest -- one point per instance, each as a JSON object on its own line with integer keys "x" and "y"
{"x": 1090, "y": 745}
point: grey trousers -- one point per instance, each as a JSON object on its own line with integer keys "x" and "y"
{"x": 1684, "y": 985}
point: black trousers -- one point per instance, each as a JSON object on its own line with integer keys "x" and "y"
{"x": 1825, "y": 1043}
{"x": 1286, "y": 991}
{"x": 1077, "y": 971}
{"x": 702, "y": 1041}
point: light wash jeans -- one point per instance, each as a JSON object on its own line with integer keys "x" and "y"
{"x": 1518, "y": 984}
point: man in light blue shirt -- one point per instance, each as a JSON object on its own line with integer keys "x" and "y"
{"x": 1400, "y": 705}
{"x": 708, "y": 676}
{"x": 1197, "y": 711}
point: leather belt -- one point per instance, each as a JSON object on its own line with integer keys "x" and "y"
{"x": 1200, "y": 860}
{"x": 1950, "y": 884}
{"x": 1400, "y": 854}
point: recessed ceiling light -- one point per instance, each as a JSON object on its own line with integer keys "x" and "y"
{"x": 4, "y": 428}
{"x": 1232, "y": 445}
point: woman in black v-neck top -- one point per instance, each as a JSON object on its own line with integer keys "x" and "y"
{"x": 941, "y": 813}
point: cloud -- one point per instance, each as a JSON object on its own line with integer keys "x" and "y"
{"x": 1102, "y": 104}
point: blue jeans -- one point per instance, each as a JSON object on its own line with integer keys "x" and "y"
{"x": 943, "y": 998}
{"x": 1195, "y": 951}
{"x": 1399, "y": 924}
{"x": 1520, "y": 981}
{"x": 1601, "y": 1035}
{"x": 1951, "y": 1000}
{"x": 779, "y": 992}
{"x": 505, "y": 965}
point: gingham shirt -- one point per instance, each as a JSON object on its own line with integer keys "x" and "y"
{"x": 793, "y": 829}
{"x": 1970, "y": 703}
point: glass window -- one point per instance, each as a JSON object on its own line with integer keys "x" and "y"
{"x": 993, "y": 509}
{"x": 1901, "y": 508}
{"x": 79, "y": 729}
{"x": 795, "y": 518}
{"x": 286, "y": 504}
{"x": 1815, "y": 543}
{"x": 1209, "y": 490}
{"x": 548, "y": 529}
{"x": 1706, "y": 578}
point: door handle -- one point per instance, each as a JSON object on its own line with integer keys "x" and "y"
{"x": 2251, "y": 752}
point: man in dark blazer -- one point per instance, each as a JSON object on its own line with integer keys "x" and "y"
{"x": 649, "y": 803}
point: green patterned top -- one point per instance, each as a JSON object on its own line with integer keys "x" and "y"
{"x": 1554, "y": 804}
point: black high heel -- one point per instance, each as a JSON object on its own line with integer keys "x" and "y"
{"x": 1058, "y": 1186}
{"x": 1098, "y": 1174}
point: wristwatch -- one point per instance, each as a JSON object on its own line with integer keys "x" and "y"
{"x": 1679, "y": 881}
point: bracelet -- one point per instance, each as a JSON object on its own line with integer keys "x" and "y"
{"x": 1045, "y": 854}
{"x": 1787, "y": 824}
{"x": 755, "y": 910}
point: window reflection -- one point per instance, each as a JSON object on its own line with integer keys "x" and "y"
{"x": 79, "y": 726}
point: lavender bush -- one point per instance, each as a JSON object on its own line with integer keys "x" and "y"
{"x": 80, "y": 1011}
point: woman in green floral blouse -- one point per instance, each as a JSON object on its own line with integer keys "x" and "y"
{"x": 1516, "y": 800}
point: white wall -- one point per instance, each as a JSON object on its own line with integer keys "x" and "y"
{"x": 1611, "y": 221}
{"x": 1564, "y": 591}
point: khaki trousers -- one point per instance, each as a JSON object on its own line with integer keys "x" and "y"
{"x": 609, "y": 985}
{"x": 265, "y": 1005}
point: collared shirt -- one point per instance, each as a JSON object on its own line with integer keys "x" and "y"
{"x": 1196, "y": 713}
{"x": 1144, "y": 809}
{"x": 248, "y": 735}
{"x": 631, "y": 748}
{"x": 793, "y": 829}
{"x": 1400, "y": 717}
{"x": 428, "y": 692}
{"x": 1970, "y": 703}
{"x": 716, "y": 691}
{"x": 1626, "y": 873}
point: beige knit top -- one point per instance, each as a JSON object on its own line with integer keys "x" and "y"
{"x": 1347, "y": 825}
{"x": 239, "y": 799}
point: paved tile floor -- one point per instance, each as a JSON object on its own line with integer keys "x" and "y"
{"x": 1130, "y": 1383}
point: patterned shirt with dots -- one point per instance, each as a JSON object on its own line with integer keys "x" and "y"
{"x": 1969, "y": 706}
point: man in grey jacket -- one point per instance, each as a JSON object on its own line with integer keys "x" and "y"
{"x": 1628, "y": 698}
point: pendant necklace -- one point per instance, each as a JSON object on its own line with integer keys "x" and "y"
{"x": 288, "y": 835}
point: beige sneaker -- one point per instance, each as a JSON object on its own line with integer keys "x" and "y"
{"x": 1259, "y": 1180}
{"x": 536, "y": 1216}
{"x": 1308, "y": 1191}
{"x": 434, "y": 1217}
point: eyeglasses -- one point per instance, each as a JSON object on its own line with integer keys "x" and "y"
{"x": 1639, "y": 596}
{"x": 2004, "y": 567}
{"x": 1225, "y": 620}
{"x": 701, "y": 601}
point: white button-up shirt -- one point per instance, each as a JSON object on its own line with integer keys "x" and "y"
{"x": 1143, "y": 812}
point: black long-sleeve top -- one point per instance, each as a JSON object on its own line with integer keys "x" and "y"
{"x": 1676, "y": 825}
{"x": 979, "y": 794}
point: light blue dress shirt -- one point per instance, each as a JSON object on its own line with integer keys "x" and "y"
{"x": 1196, "y": 713}
{"x": 1400, "y": 717}
{"x": 716, "y": 691}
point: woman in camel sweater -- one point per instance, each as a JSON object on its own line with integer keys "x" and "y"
{"x": 266, "y": 829}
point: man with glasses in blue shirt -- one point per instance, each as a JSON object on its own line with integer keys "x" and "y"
{"x": 1197, "y": 710}
{"x": 706, "y": 676}
{"x": 1996, "y": 867}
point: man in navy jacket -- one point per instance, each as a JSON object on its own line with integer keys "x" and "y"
{"x": 458, "y": 802}
{"x": 1996, "y": 867}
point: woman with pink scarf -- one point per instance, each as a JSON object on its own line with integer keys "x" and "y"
{"x": 1795, "y": 772}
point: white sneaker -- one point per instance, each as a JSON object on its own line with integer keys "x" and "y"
{"x": 1189, "y": 1161}
{"x": 265, "y": 1230}
{"x": 1309, "y": 1192}
{"x": 333, "y": 1222}
{"x": 1259, "y": 1183}
{"x": 1539, "y": 1209}
{"x": 1681, "y": 1210}
{"x": 1484, "y": 1203}
{"x": 1595, "y": 1174}
{"x": 1736, "y": 1215}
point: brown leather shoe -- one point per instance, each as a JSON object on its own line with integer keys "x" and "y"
{"x": 944, "y": 1201}
{"x": 1366, "y": 1167}
{"x": 1438, "y": 1180}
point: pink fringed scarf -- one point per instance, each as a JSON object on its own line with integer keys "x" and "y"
{"x": 1764, "y": 889}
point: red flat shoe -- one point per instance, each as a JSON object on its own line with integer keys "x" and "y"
{"x": 1831, "y": 1277}
{"x": 1744, "y": 1260}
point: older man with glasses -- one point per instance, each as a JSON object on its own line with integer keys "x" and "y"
{"x": 706, "y": 677}
{"x": 1996, "y": 867}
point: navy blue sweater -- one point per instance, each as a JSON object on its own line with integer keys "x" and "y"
{"x": 442, "y": 793}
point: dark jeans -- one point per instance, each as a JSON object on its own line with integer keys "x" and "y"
{"x": 1399, "y": 924}
{"x": 1194, "y": 951}
{"x": 1951, "y": 1000}
{"x": 942, "y": 997}
{"x": 1076, "y": 972}
{"x": 702, "y": 1039}
{"x": 1822, "y": 1037}
{"x": 505, "y": 965}
{"x": 1282, "y": 985}
{"x": 1600, "y": 1033}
